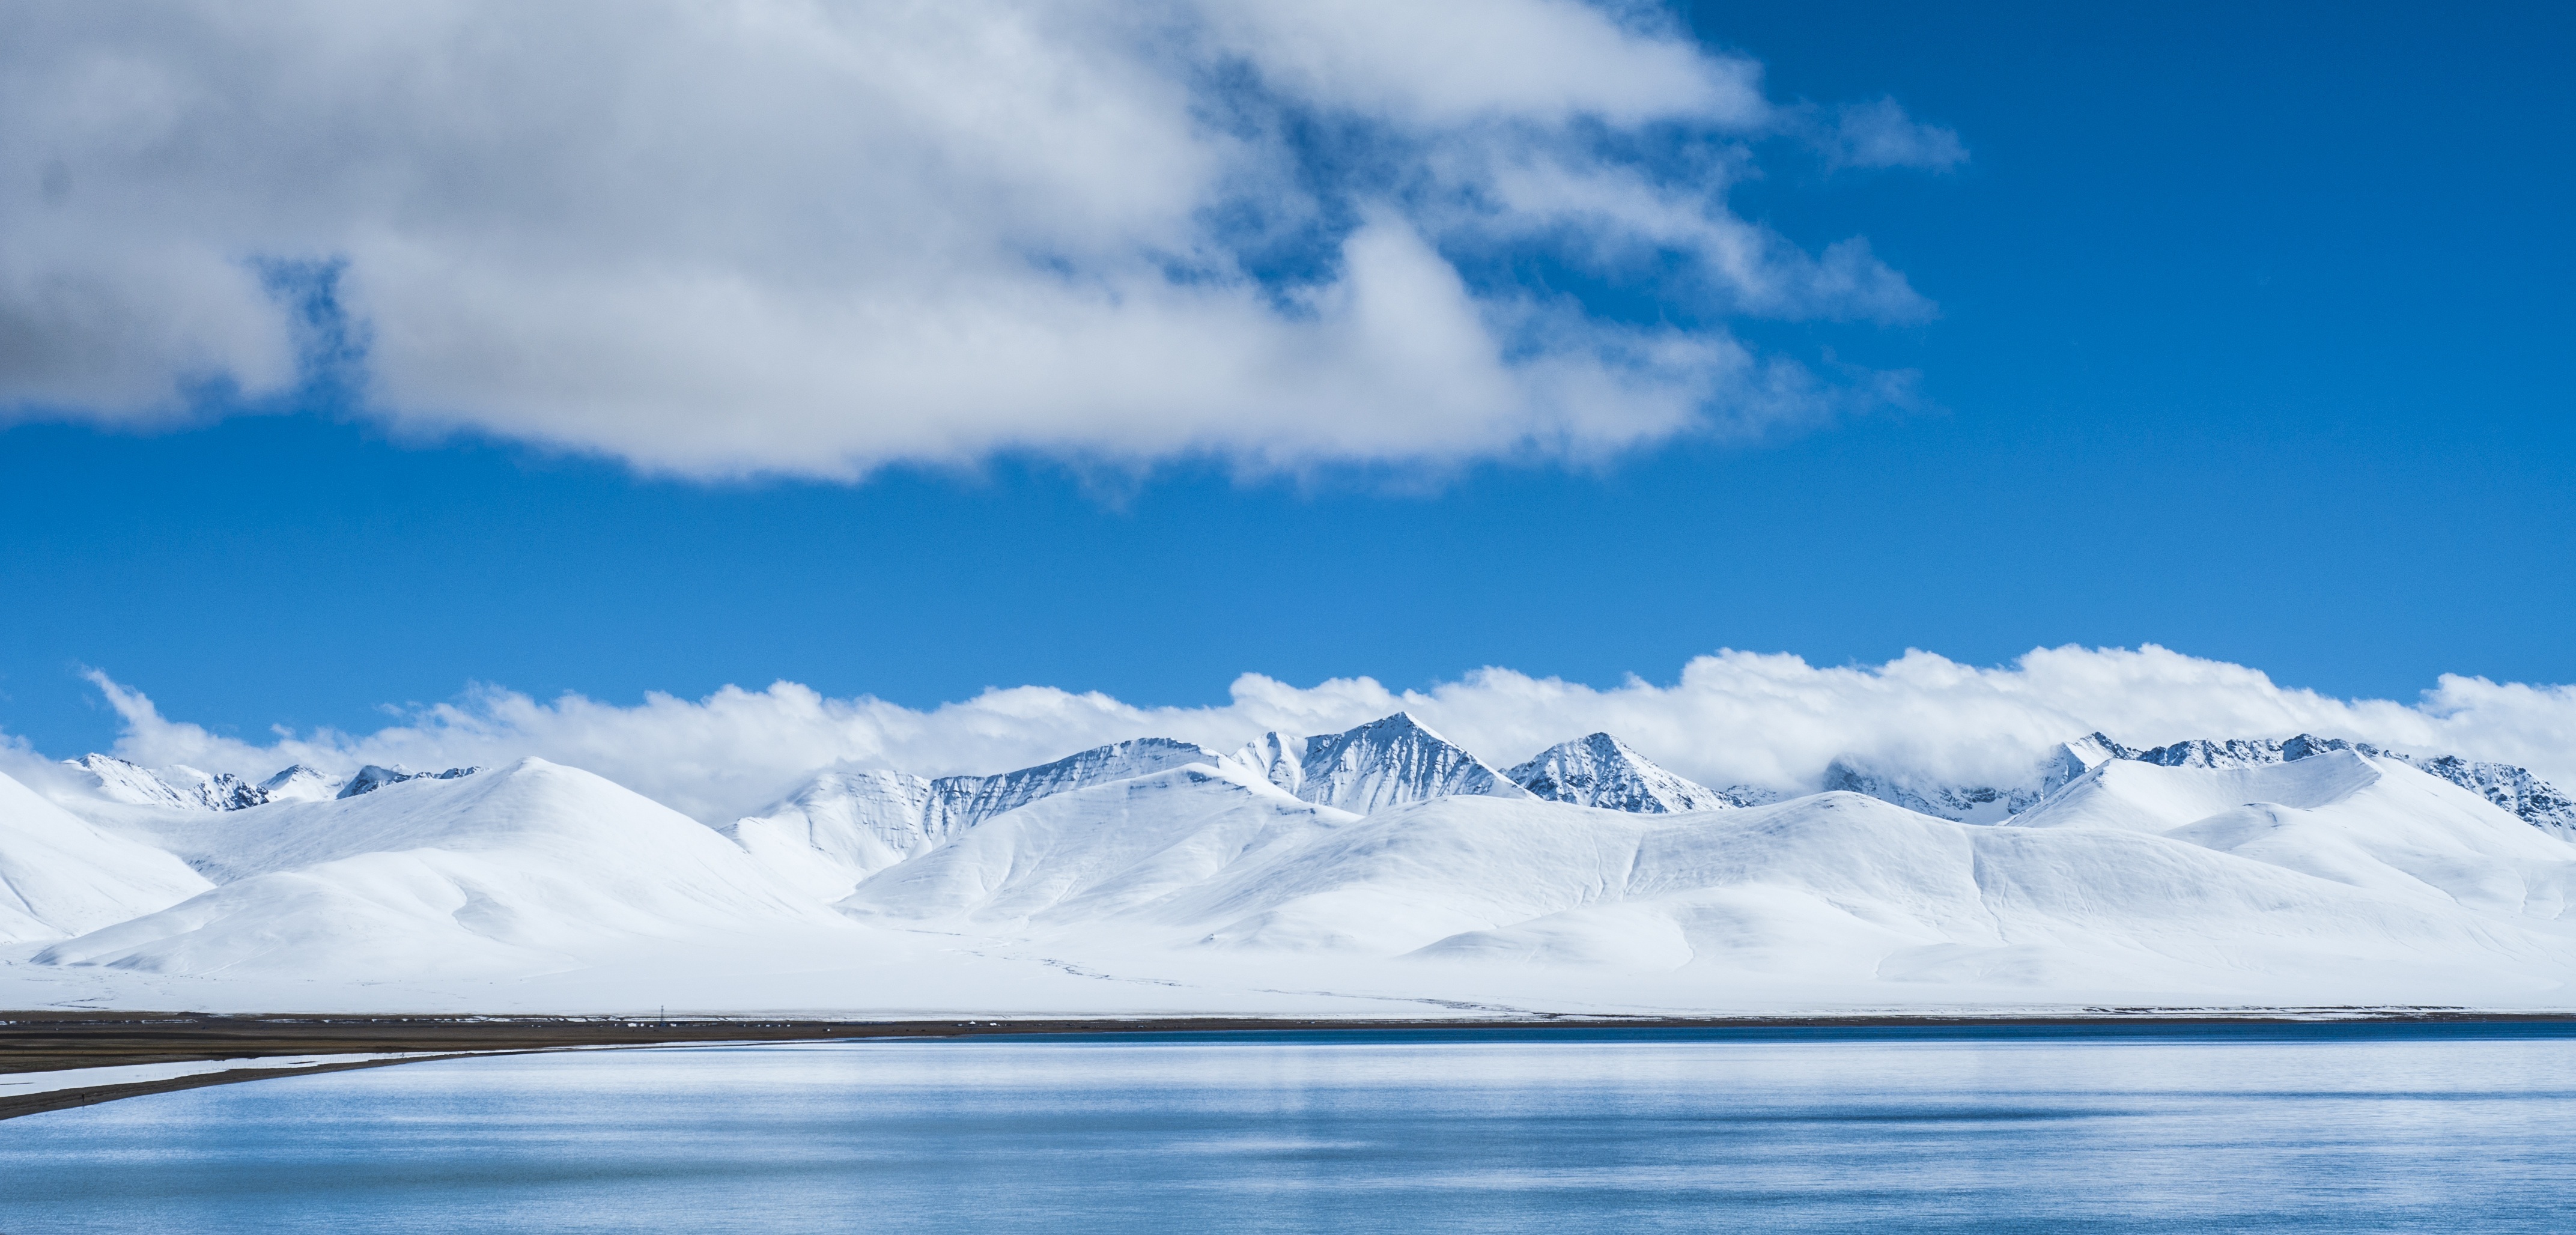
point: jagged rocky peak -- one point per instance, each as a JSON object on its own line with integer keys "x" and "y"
{"x": 373, "y": 777}
{"x": 2538, "y": 802}
{"x": 2236, "y": 752}
{"x": 1600, "y": 770}
{"x": 1390, "y": 762}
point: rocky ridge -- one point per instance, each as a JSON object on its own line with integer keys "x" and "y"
{"x": 2516, "y": 790}
{"x": 180, "y": 787}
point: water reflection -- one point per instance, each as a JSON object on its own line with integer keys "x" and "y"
{"x": 2338, "y": 1128}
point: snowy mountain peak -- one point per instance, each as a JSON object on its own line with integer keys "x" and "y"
{"x": 298, "y": 783}
{"x": 178, "y": 787}
{"x": 120, "y": 781}
{"x": 1392, "y": 761}
{"x": 1600, "y": 770}
{"x": 2089, "y": 752}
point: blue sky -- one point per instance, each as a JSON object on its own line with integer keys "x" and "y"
{"x": 2252, "y": 340}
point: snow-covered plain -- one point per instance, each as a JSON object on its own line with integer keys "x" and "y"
{"x": 1381, "y": 871}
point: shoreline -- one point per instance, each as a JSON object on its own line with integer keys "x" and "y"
{"x": 56, "y": 1040}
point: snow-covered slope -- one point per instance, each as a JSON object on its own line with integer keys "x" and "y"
{"x": 373, "y": 777}
{"x": 1390, "y": 862}
{"x": 2338, "y": 815}
{"x": 1837, "y": 889}
{"x": 1603, "y": 771}
{"x": 1097, "y": 854}
{"x": 178, "y": 787}
{"x": 843, "y": 826}
{"x": 1833, "y": 884}
{"x": 2516, "y": 790}
{"x": 299, "y": 784}
{"x": 511, "y": 871}
{"x": 59, "y": 876}
{"x": 1383, "y": 763}
{"x": 120, "y": 781}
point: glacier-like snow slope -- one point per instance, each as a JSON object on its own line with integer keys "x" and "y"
{"x": 178, "y": 787}
{"x": 844, "y": 826}
{"x": 1600, "y": 770}
{"x": 299, "y": 784}
{"x": 119, "y": 781}
{"x": 1160, "y": 869}
{"x": 2365, "y": 821}
{"x": 2516, "y": 790}
{"x": 1095, "y": 855}
{"x": 60, "y": 876}
{"x": 1383, "y": 763}
{"x": 1837, "y": 888}
{"x": 510, "y": 871}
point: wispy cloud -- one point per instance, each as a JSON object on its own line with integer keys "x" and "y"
{"x": 1881, "y": 134}
{"x": 814, "y": 238}
{"x": 1734, "y": 717}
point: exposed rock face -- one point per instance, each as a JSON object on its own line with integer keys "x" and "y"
{"x": 1383, "y": 763}
{"x": 1602, "y": 771}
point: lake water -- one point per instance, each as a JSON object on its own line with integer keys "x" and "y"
{"x": 2334, "y": 1128}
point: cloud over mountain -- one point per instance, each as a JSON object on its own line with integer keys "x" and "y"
{"x": 814, "y": 238}
{"x": 1730, "y": 718}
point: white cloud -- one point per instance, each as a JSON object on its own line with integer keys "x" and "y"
{"x": 720, "y": 237}
{"x": 1880, "y": 134}
{"x": 1735, "y": 717}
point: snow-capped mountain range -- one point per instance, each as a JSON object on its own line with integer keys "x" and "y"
{"x": 2516, "y": 790}
{"x": 181, "y": 787}
{"x": 1380, "y": 863}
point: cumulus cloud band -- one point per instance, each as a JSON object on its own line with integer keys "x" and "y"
{"x": 781, "y": 236}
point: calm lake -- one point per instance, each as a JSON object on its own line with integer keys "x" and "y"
{"x": 2326, "y": 1128}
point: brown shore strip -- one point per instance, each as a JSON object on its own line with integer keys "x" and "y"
{"x": 43, "y": 1041}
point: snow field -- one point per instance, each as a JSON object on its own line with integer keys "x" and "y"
{"x": 1164, "y": 876}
